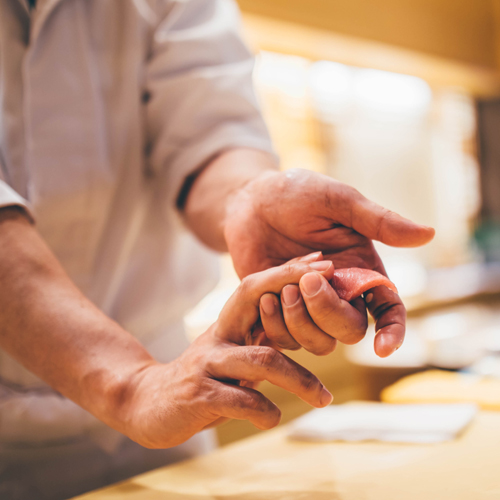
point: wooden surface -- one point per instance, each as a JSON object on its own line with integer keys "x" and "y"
{"x": 270, "y": 467}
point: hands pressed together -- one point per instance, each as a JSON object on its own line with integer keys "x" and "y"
{"x": 215, "y": 379}
{"x": 286, "y": 233}
{"x": 282, "y": 215}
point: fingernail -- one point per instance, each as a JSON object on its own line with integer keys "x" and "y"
{"x": 291, "y": 295}
{"x": 322, "y": 265}
{"x": 268, "y": 305}
{"x": 311, "y": 283}
{"x": 312, "y": 256}
{"x": 326, "y": 397}
{"x": 369, "y": 298}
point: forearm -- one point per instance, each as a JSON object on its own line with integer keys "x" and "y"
{"x": 47, "y": 325}
{"x": 210, "y": 193}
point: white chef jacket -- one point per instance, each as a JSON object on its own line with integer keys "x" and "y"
{"x": 105, "y": 107}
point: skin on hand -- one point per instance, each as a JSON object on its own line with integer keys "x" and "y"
{"x": 55, "y": 332}
{"x": 215, "y": 378}
{"x": 282, "y": 215}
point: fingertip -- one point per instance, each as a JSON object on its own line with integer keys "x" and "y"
{"x": 314, "y": 285}
{"x": 326, "y": 397}
{"x": 324, "y": 267}
{"x": 430, "y": 232}
{"x": 270, "y": 422}
{"x": 290, "y": 295}
{"x": 269, "y": 304}
{"x": 311, "y": 283}
{"x": 423, "y": 234}
{"x": 406, "y": 233}
{"x": 387, "y": 343}
{"x": 313, "y": 257}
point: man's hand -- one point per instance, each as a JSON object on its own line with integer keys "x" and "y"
{"x": 282, "y": 215}
{"x": 240, "y": 202}
{"x": 215, "y": 379}
{"x": 58, "y": 334}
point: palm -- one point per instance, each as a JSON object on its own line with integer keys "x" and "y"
{"x": 277, "y": 222}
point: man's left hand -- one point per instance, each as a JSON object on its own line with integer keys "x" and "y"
{"x": 279, "y": 216}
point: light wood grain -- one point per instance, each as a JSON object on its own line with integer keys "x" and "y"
{"x": 271, "y": 467}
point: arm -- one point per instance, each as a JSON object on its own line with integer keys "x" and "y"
{"x": 208, "y": 195}
{"x": 54, "y": 331}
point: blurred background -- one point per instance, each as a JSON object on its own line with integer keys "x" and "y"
{"x": 402, "y": 101}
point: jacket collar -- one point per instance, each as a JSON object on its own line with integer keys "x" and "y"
{"x": 41, "y": 14}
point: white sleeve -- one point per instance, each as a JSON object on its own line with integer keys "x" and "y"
{"x": 9, "y": 197}
{"x": 201, "y": 96}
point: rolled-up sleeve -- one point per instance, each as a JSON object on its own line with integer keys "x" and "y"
{"x": 201, "y": 96}
{"x": 10, "y": 198}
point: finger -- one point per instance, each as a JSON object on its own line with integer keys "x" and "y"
{"x": 241, "y": 311}
{"x": 378, "y": 265}
{"x": 312, "y": 257}
{"x": 390, "y": 319}
{"x": 256, "y": 363}
{"x": 274, "y": 324}
{"x": 379, "y": 223}
{"x": 301, "y": 326}
{"x": 389, "y": 313}
{"x": 242, "y": 403}
{"x": 216, "y": 423}
{"x": 343, "y": 320}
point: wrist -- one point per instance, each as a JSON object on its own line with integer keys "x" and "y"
{"x": 121, "y": 397}
{"x": 216, "y": 188}
{"x": 245, "y": 207}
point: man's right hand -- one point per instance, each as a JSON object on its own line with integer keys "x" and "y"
{"x": 214, "y": 380}
{"x": 54, "y": 331}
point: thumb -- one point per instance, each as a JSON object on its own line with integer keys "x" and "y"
{"x": 379, "y": 223}
{"x": 241, "y": 312}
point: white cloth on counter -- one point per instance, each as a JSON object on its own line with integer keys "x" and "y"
{"x": 366, "y": 421}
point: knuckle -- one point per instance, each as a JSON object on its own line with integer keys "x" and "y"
{"x": 192, "y": 391}
{"x": 255, "y": 403}
{"x": 289, "y": 345}
{"x": 297, "y": 317}
{"x": 309, "y": 382}
{"x": 247, "y": 284}
{"x": 301, "y": 325}
{"x": 273, "y": 419}
{"x": 324, "y": 348}
{"x": 288, "y": 269}
{"x": 359, "y": 334}
{"x": 385, "y": 216}
{"x": 321, "y": 311}
{"x": 348, "y": 193}
{"x": 212, "y": 362}
{"x": 265, "y": 356}
{"x": 282, "y": 339}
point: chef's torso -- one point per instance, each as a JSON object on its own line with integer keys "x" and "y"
{"x": 105, "y": 107}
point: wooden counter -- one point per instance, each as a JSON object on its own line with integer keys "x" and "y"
{"x": 271, "y": 467}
